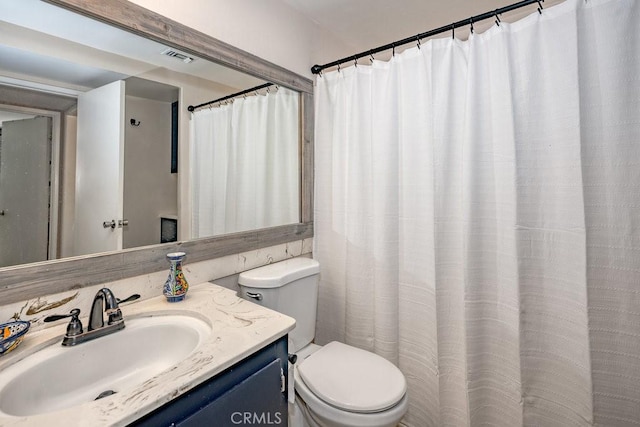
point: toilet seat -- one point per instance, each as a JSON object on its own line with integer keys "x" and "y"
{"x": 351, "y": 379}
{"x": 317, "y": 412}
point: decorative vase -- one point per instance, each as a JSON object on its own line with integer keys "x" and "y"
{"x": 176, "y": 286}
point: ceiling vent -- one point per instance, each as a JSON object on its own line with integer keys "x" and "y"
{"x": 178, "y": 55}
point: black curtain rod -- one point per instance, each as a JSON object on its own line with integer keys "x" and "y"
{"x": 224, "y": 98}
{"x": 317, "y": 69}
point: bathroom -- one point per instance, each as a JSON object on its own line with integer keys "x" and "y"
{"x": 501, "y": 286}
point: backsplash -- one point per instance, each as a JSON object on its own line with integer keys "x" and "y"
{"x": 150, "y": 285}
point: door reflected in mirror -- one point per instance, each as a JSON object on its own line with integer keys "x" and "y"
{"x": 25, "y": 156}
{"x": 106, "y": 169}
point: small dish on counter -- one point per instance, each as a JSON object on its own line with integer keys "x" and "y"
{"x": 11, "y": 335}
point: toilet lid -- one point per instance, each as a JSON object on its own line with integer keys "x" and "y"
{"x": 352, "y": 379}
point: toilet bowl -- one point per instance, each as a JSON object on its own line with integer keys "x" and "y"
{"x": 336, "y": 385}
{"x": 365, "y": 391}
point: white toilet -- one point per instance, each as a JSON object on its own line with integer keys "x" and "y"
{"x": 336, "y": 385}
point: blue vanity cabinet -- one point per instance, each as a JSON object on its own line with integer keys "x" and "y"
{"x": 250, "y": 393}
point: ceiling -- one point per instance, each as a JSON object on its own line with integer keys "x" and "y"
{"x": 366, "y": 24}
{"x": 360, "y": 25}
{"x": 79, "y": 53}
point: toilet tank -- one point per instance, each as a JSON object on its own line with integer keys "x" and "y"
{"x": 289, "y": 287}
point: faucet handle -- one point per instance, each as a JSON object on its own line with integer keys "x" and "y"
{"x": 115, "y": 315}
{"x": 73, "y": 314}
{"x": 128, "y": 299}
{"x": 75, "y": 325}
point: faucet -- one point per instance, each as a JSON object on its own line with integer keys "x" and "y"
{"x": 103, "y": 302}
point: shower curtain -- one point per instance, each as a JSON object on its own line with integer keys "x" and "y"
{"x": 244, "y": 158}
{"x": 477, "y": 219}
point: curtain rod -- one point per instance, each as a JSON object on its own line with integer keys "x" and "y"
{"x": 224, "y": 98}
{"x": 317, "y": 69}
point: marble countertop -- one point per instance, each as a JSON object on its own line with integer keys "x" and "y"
{"x": 239, "y": 328}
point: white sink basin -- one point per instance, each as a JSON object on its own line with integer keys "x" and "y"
{"x": 59, "y": 377}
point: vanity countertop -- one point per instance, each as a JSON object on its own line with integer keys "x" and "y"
{"x": 239, "y": 328}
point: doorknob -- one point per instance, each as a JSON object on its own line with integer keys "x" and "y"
{"x": 109, "y": 224}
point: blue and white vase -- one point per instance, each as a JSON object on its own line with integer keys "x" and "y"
{"x": 176, "y": 286}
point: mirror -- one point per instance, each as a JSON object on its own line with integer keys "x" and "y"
{"x": 26, "y": 281}
{"x": 130, "y": 166}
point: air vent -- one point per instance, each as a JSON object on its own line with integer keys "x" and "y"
{"x": 178, "y": 55}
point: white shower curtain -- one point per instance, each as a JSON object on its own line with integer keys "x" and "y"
{"x": 477, "y": 219}
{"x": 244, "y": 158}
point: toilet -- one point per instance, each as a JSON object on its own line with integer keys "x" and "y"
{"x": 336, "y": 385}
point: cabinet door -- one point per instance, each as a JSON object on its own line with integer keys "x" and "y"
{"x": 255, "y": 401}
{"x": 248, "y": 393}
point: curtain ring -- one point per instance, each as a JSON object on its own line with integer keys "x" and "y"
{"x": 471, "y": 22}
{"x": 497, "y": 18}
{"x": 540, "y": 7}
{"x": 338, "y": 67}
{"x": 371, "y": 57}
{"x": 453, "y": 31}
{"x": 393, "y": 49}
{"x": 418, "y": 40}
{"x": 355, "y": 61}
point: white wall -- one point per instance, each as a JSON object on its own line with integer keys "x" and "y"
{"x": 150, "y": 189}
{"x": 268, "y": 29}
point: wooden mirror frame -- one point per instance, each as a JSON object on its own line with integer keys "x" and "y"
{"x": 22, "y": 282}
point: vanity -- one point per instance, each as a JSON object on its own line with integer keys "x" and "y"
{"x": 235, "y": 374}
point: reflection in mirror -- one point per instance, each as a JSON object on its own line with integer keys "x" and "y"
{"x": 24, "y": 169}
{"x": 245, "y": 162}
{"x": 107, "y": 140}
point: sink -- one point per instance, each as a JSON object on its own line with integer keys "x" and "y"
{"x": 57, "y": 377}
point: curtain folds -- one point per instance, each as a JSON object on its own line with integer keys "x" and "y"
{"x": 477, "y": 219}
{"x": 245, "y": 172}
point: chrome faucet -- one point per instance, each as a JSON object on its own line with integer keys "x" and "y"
{"x": 103, "y": 303}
